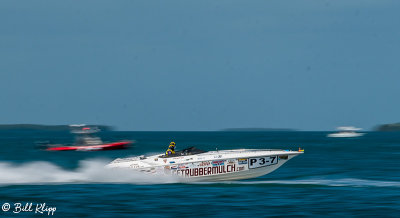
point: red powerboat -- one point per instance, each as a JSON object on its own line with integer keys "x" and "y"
{"x": 85, "y": 141}
{"x": 108, "y": 146}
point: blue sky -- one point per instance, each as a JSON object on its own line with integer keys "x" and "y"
{"x": 200, "y": 65}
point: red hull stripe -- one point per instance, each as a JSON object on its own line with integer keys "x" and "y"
{"x": 110, "y": 146}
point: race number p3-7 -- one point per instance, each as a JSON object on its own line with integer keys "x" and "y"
{"x": 262, "y": 161}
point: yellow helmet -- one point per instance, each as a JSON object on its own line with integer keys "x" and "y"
{"x": 172, "y": 143}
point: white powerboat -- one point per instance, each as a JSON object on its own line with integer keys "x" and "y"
{"x": 193, "y": 164}
{"x": 346, "y": 132}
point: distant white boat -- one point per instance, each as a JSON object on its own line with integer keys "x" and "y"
{"x": 346, "y": 132}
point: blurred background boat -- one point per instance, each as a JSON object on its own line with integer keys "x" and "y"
{"x": 85, "y": 140}
{"x": 346, "y": 132}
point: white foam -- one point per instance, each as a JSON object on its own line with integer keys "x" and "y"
{"x": 89, "y": 171}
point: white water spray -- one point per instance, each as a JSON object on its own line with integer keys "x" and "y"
{"x": 89, "y": 171}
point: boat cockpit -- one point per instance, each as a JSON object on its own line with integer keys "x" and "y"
{"x": 185, "y": 152}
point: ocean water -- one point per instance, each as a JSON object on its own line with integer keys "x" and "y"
{"x": 357, "y": 177}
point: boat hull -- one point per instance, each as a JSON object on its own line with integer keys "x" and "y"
{"x": 345, "y": 135}
{"x": 211, "y": 166}
{"x": 237, "y": 175}
{"x": 108, "y": 146}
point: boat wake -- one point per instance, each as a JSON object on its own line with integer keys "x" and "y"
{"x": 94, "y": 171}
{"x": 88, "y": 172}
{"x": 346, "y": 182}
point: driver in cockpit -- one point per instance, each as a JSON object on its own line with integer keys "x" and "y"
{"x": 171, "y": 149}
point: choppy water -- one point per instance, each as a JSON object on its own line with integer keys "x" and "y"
{"x": 350, "y": 177}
